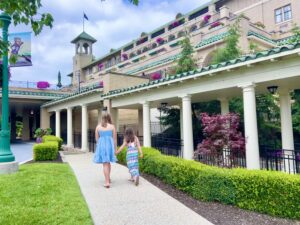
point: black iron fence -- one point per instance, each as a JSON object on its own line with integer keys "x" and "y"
{"x": 92, "y": 140}
{"x": 226, "y": 158}
{"x": 278, "y": 160}
{"x": 167, "y": 146}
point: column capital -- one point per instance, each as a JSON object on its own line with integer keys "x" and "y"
{"x": 185, "y": 97}
{"x": 58, "y": 110}
{"x": 70, "y": 108}
{"x": 223, "y": 99}
{"x": 83, "y": 105}
{"x": 247, "y": 86}
{"x": 283, "y": 91}
{"x": 145, "y": 103}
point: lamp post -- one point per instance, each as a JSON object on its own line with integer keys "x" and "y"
{"x": 7, "y": 158}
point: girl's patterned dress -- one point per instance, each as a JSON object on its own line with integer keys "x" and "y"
{"x": 132, "y": 158}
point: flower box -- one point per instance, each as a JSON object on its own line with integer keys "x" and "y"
{"x": 155, "y": 76}
{"x": 43, "y": 85}
{"x": 206, "y": 18}
{"x": 124, "y": 56}
{"x": 216, "y": 24}
{"x": 160, "y": 41}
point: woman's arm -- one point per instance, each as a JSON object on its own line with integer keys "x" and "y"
{"x": 96, "y": 134}
{"x": 121, "y": 148}
{"x": 115, "y": 137}
{"x": 139, "y": 146}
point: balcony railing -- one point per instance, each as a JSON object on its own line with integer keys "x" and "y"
{"x": 30, "y": 85}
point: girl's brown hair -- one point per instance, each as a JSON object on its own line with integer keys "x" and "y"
{"x": 106, "y": 118}
{"x": 129, "y": 135}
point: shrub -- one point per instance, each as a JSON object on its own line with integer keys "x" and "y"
{"x": 50, "y": 138}
{"x": 45, "y": 151}
{"x": 273, "y": 193}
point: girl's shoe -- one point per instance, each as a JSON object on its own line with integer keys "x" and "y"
{"x": 106, "y": 185}
{"x": 136, "y": 181}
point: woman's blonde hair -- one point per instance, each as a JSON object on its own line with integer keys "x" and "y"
{"x": 106, "y": 118}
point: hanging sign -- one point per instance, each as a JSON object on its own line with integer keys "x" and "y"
{"x": 20, "y": 46}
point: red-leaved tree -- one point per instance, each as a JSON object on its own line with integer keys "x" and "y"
{"x": 221, "y": 132}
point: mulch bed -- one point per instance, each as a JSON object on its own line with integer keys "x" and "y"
{"x": 217, "y": 213}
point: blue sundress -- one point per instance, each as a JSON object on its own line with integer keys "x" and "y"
{"x": 105, "y": 148}
{"x": 132, "y": 158}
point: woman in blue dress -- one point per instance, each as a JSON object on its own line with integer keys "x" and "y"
{"x": 106, "y": 138}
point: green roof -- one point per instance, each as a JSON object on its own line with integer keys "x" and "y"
{"x": 213, "y": 39}
{"x": 84, "y": 36}
{"x": 51, "y": 95}
{"x": 199, "y": 71}
{"x": 262, "y": 37}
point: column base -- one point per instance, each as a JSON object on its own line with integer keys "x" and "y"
{"x": 9, "y": 167}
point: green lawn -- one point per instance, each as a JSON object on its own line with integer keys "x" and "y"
{"x": 42, "y": 194}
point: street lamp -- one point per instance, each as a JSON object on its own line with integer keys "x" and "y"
{"x": 272, "y": 89}
{"x": 6, "y": 155}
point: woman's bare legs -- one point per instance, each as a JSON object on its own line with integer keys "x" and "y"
{"x": 106, "y": 172}
{"x": 109, "y": 169}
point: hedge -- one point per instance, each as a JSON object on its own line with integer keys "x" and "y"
{"x": 47, "y": 138}
{"x": 273, "y": 193}
{"x": 45, "y": 151}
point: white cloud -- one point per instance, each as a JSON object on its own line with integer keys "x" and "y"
{"x": 113, "y": 23}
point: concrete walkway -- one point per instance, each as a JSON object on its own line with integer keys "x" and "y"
{"x": 22, "y": 151}
{"x": 124, "y": 203}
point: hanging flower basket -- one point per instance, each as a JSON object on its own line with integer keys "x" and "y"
{"x": 160, "y": 41}
{"x": 100, "y": 66}
{"x": 124, "y": 56}
{"x": 42, "y": 85}
{"x": 206, "y": 18}
{"x": 101, "y": 83}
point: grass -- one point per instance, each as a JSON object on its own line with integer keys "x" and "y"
{"x": 42, "y": 194}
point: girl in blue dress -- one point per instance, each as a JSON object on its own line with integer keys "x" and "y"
{"x": 132, "y": 154}
{"x": 106, "y": 138}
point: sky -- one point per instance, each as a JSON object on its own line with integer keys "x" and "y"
{"x": 112, "y": 22}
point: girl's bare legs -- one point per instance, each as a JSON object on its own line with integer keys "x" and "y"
{"x": 106, "y": 173}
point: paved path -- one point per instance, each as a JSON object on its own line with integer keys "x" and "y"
{"x": 124, "y": 203}
{"x": 22, "y": 151}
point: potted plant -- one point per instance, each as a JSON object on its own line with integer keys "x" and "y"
{"x": 216, "y": 24}
{"x": 100, "y": 66}
{"x": 38, "y": 134}
{"x": 155, "y": 76}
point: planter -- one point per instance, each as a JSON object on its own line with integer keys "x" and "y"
{"x": 155, "y": 76}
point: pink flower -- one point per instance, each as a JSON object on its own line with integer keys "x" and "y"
{"x": 100, "y": 66}
{"x": 124, "y": 56}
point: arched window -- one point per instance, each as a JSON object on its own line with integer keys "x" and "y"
{"x": 86, "y": 48}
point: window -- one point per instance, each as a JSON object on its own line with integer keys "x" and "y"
{"x": 283, "y": 14}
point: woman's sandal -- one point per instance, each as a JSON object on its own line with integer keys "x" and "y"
{"x": 106, "y": 186}
{"x": 131, "y": 180}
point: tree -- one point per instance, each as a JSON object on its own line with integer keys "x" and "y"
{"x": 25, "y": 12}
{"x": 231, "y": 49}
{"x": 296, "y": 33}
{"x": 221, "y": 132}
{"x": 186, "y": 61}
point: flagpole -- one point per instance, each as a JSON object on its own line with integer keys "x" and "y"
{"x": 83, "y": 22}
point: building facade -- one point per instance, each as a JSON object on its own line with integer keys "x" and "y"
{"x": 130, "y": 81}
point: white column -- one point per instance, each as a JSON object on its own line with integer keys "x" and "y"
{"x": 181, "y": 130}
{"x": 114, "y": 112}
{"x": 224, "y": 106}
{"x": 57, "y": 123}
{"x": 251, "y": 133}
{"x": 84, "y": 128}
{"x": 70, "y": 127}
{"x": 146, "y": 124}
{"x": 140, "y": 122}
{"x": 188, "y": 145}
{"x": 287, "y": 137}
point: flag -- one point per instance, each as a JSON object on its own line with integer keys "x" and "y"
{"x": 85, "y": 16}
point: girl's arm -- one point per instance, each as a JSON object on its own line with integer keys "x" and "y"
{"x": 121, "y": 148}
{"x": 96, "y": 134}
{"x": 115, "y": 137}
{"x": 139, "y": 146}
